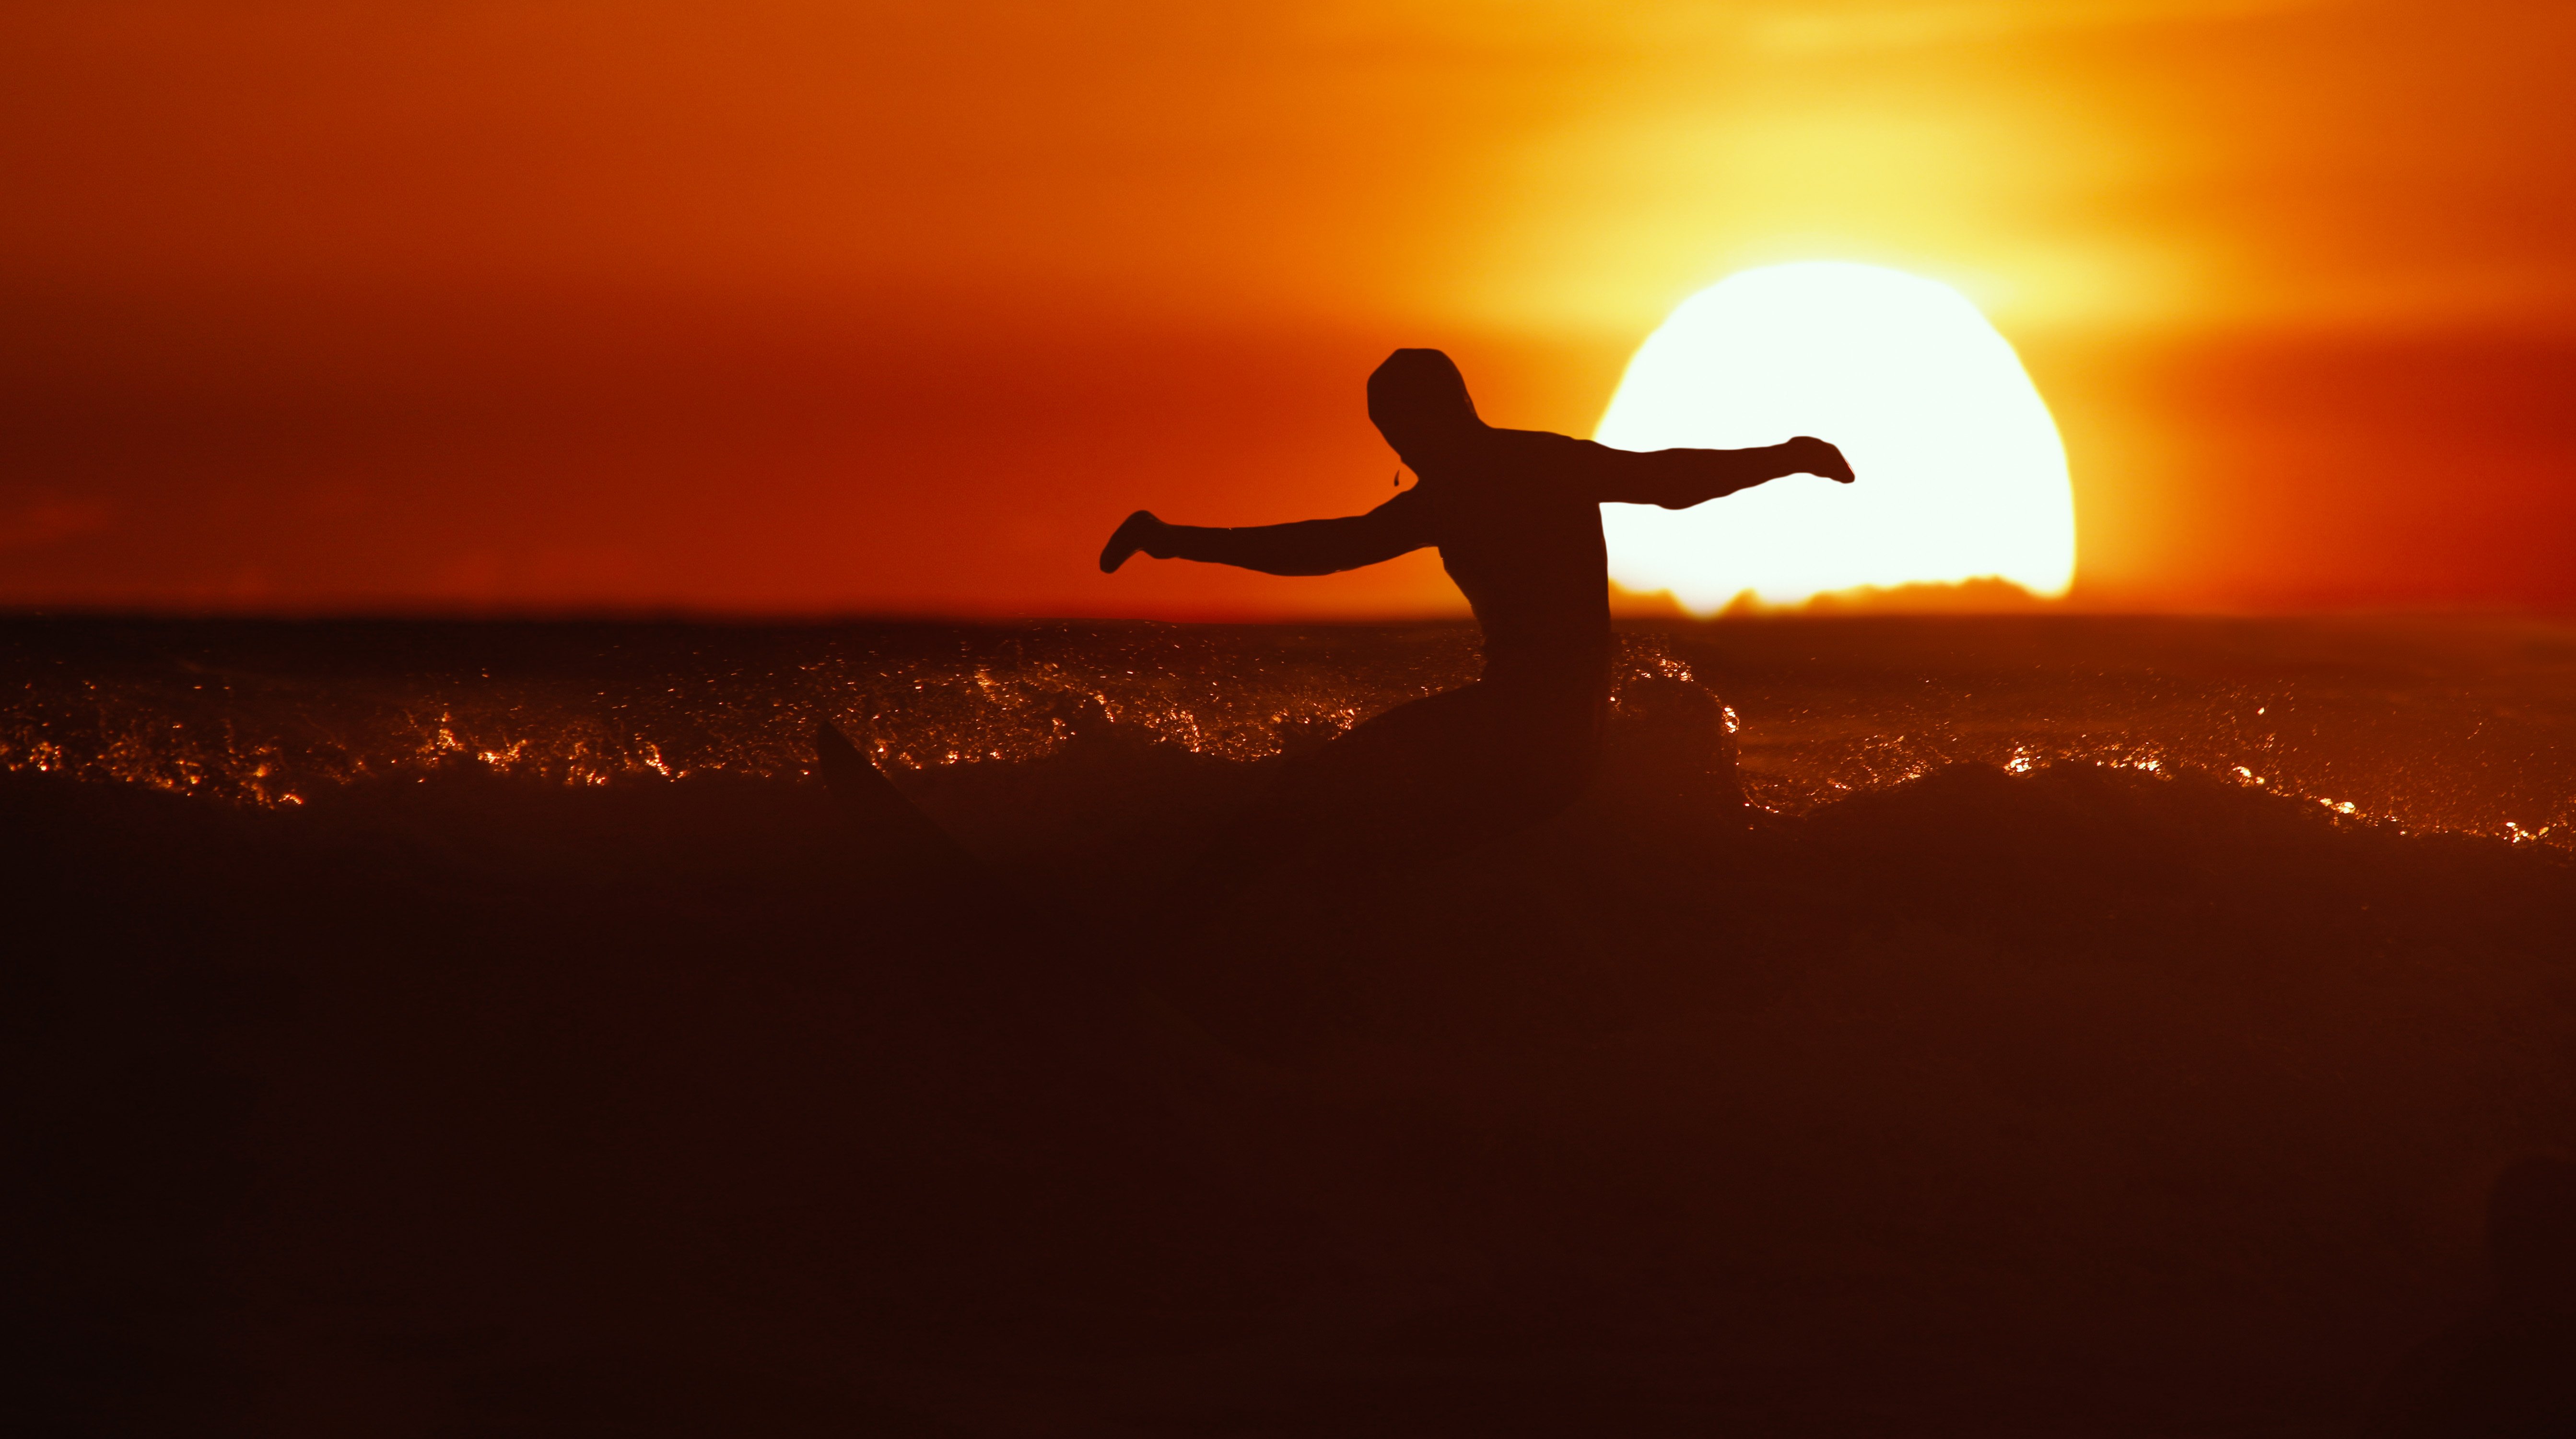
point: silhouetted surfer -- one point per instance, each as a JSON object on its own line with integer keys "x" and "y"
{"x": 1516, "y": 517}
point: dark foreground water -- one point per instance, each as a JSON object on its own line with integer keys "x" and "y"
{"x": 2090, "y": 1027}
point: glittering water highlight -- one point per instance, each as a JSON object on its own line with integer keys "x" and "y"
{"x": 2464, "y": 725}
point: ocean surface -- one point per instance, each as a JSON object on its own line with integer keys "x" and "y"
{"x": 2421, "y": 724}
{"x": 2098, "y": 1026}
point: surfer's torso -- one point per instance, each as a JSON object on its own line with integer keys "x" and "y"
{"x": 1520, "y": 533}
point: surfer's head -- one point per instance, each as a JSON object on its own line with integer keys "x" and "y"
{"x": 1418, "y": 400}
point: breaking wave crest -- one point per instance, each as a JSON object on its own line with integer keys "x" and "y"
{"x": 2451, "y": 726}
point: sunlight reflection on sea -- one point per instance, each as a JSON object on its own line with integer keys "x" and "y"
{"x": 2424, "y": 724}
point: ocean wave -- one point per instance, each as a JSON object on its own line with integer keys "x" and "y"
{"x": 2469, "y": 727}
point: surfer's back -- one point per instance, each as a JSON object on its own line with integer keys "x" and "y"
{"x": 1520, "y": 533}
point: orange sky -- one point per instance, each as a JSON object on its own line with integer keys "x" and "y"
{"x": 815, "y": 307}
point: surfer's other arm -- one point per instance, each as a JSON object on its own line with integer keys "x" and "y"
{"x": 1307, "y": 547}
{"x": 1679, "y": 479}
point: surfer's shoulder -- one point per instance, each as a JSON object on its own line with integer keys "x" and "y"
{"x": 1549, "y": 446}
{"x": 1544, "y": 458}
{"x": 1542, "y": 449}
{"x": 1535, "y": 439}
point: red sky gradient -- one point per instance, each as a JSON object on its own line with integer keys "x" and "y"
{"x": 436, "y": 305}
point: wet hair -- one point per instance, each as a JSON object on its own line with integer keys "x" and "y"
{"x": 1419, "y": 389}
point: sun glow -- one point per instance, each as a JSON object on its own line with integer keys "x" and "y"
{"x": 1962, "y": 475}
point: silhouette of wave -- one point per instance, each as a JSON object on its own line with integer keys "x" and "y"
{"x": 2457, "y": 725}
{"x": 2084, "y": 1098}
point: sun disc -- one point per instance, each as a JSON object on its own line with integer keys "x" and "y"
{"x": 1962, "y": 474}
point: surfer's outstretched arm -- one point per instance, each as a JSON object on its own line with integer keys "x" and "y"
{"x": 1308, "y": 547}
{"x": 1679, "y": 479}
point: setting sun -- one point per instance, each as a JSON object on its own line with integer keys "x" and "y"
{"x": 1961, "y": 472}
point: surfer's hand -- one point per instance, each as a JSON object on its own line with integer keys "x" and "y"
{"x": 1807, "y": 455}
{"x": 1140, "y": 532}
